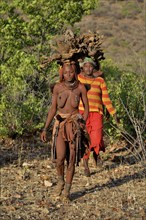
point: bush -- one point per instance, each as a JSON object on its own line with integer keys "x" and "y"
{"x": 128, "y": 94}
{"x": 26, "y": 28}
{"x": 25, "y": 95}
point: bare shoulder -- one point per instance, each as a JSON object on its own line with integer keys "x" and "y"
{"x": 81, "y": 86}
{"x": 57, "y": 87}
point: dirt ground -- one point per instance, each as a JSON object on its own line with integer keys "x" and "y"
{"x": 116, "y": 190}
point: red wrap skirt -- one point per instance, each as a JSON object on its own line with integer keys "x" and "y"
{"x": 94, "y": 126}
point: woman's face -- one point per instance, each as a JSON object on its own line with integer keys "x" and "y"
{"x": 88, "y": 69}
{"x": 68, "y": 73}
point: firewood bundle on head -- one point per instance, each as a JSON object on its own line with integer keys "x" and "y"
{"x": 71, "y": 47}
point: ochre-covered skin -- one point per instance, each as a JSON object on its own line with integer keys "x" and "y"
{"x": 65, "y": 102}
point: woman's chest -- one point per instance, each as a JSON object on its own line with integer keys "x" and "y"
{"x": 68, "y": 97}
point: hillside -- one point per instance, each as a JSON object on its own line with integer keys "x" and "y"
{"x": 122, "y": 23}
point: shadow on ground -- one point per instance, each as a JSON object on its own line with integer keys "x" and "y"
{"x": 19, "y": 150}
{"x": 110, "y": 184}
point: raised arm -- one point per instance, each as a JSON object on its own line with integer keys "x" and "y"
{"x": 51, "y": 113}
{"x": 85, "y": 101}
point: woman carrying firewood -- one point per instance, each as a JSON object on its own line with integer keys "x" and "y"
{"x": 69, "y": 126}
{"x": 98, "y": 98}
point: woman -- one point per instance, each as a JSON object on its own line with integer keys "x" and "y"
{"x": 98, "y": 97}
{"x": 69, "y": 126}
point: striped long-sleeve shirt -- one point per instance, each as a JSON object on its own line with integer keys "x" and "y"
{"x": 97, "y": 95}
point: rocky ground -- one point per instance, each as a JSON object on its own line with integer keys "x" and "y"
{"x": 116, "y": 190}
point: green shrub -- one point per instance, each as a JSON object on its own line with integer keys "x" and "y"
{"x": 128, "y": 94}
{"x": 26, "y": 28}
{"x": 21, "y": 97}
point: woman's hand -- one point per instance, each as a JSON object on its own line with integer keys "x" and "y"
{"x": 82, "y": 123}
{"x": 43, "y": 136}
{"x": 107, "y": 115}
{"x": 117, "y": 120}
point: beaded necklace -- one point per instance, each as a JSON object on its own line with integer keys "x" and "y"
{"x": 72, "y": 86}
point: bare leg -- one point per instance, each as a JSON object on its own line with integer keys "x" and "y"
{"x": 70, "y": 171}
{"x": 71, "y": 166}
{"x": 61, "y": 152}
{"x": 86, "y": 167}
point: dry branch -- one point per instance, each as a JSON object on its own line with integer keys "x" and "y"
{"x": 73, "y": 47}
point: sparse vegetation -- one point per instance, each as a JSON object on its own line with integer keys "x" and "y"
{"x": 114, "y": 191}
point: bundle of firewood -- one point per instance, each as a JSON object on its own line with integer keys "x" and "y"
{"x": 73, "y": 47}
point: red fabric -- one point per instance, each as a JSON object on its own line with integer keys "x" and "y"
{"x": 94, "y": 125}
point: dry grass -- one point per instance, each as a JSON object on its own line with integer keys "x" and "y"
{"x": 28, "y": 178}
{"x": 123, "y": 25}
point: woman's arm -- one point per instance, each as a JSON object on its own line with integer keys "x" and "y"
{"x": 51, "y": 113}
{"x": 85, "y": 101}
{"x": 106, "y": 99}
{"x": 107, "y": 102}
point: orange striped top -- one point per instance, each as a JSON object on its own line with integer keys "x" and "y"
{"x": 97, "y": 95}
